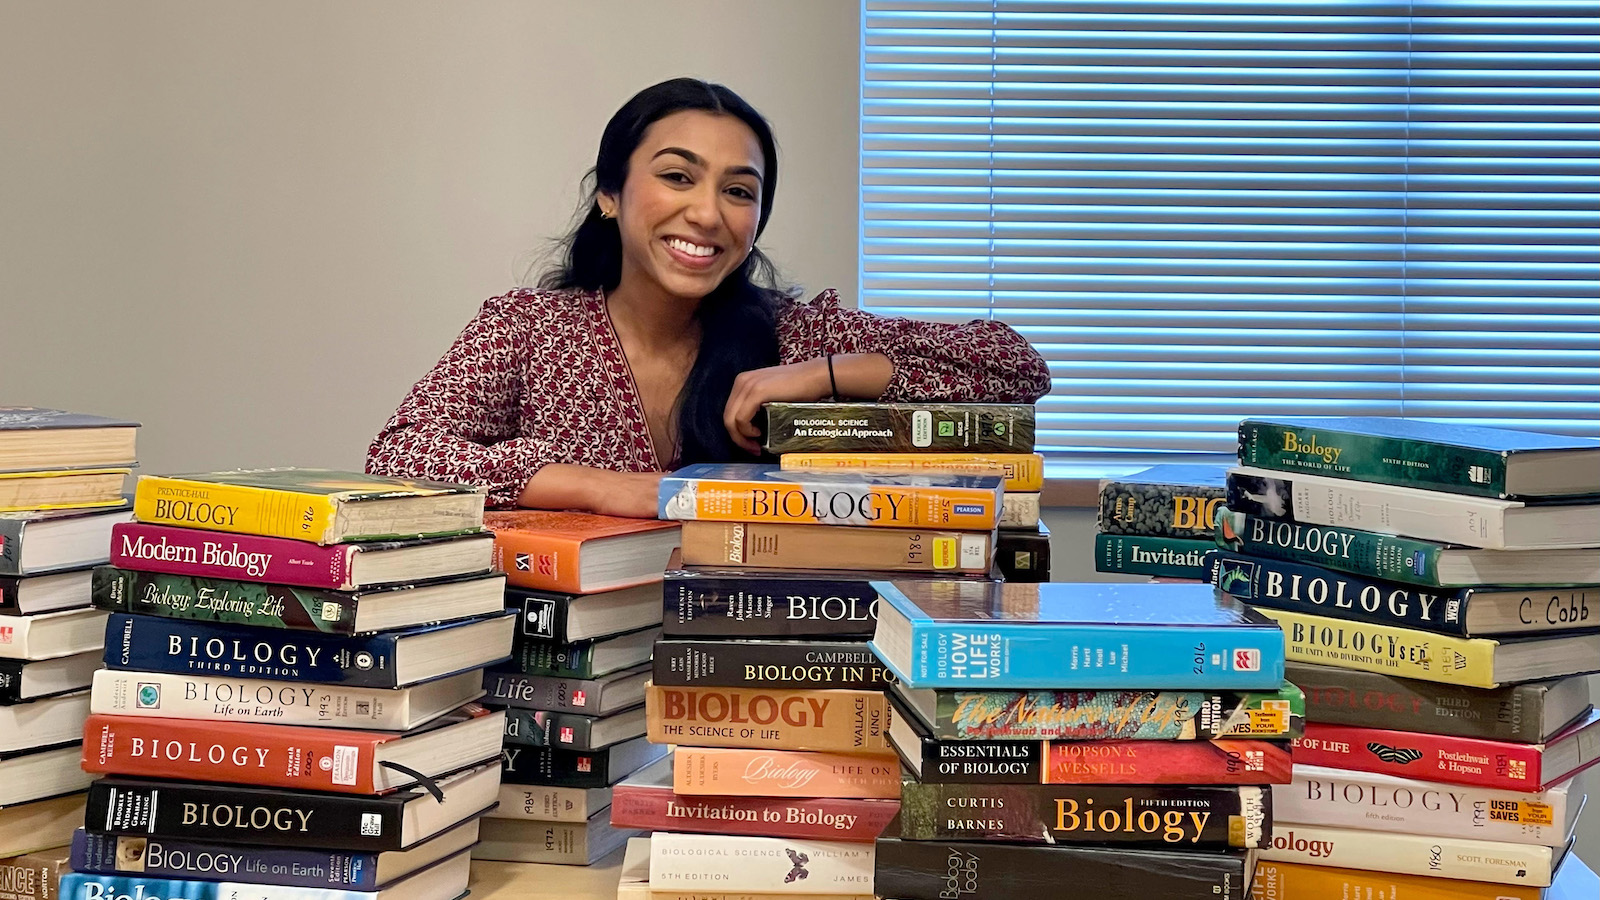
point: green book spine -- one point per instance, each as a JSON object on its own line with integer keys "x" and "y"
{"x": 1382, "y": 460}
{"x": 1138, "y": 554}
{"x": 899, "y": 427}
{"x": 533, "y": 656}
{"x": 1368, "y": 553}
{"x": 1158, "y": 510}
{"x": 221, "y": 600}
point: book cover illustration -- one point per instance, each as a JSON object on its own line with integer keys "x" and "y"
{"x": 1119, "y": 715}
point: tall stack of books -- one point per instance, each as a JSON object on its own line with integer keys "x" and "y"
{"x": 1440, "y": 592}
{"x": 1157, "y": 521}
{"x": 292, "y": 659}
{"x": 61, "y": 483}
{"x": 586, "y": 590}
{"x": 1114, "y": 740}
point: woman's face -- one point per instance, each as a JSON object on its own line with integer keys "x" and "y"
{"x": 690, "y": 203}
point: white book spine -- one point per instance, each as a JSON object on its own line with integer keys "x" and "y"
{"x": 1370, "y": 802}
{"x": 1426, "y": 515}
{"x": 1019, "y": 511}
{"x": 1410, "y": 854}
{"x": 722, "y": 863}
{"x": 220, "y": 699}
{"x": 549, "y": 804}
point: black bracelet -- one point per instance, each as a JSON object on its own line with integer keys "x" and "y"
{"x": 831, "y": 382}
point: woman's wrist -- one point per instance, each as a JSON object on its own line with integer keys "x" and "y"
{"x": 859, "y": 376}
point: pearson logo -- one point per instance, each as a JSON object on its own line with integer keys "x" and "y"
{"x": 968, "y": 509}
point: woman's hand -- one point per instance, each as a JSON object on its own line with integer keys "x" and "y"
{"x": 603, "y": 491}
{"x": 630, "y": 494}
{"x": 797, "y": 382}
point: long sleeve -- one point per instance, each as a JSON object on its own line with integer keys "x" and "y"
{"x": 980, "y": 361}
{"x": 461, "y": 422}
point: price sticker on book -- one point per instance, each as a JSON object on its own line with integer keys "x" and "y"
{"x": 1271, "y": 718}
{"x": 1532, "y": 813}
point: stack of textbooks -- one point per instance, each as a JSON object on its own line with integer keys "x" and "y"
{"x": 586, "y": 590}
{"x": 292, "y": 658}
{"x": 1118, "y": 738}
{"x": 929, "y": 438}
{"x": 61, "y": 482}
{"x": 1157, "y": 521}
{"x": 1440, "y": 593}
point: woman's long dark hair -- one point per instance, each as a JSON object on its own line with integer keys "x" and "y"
{"x": 738, "y": 319}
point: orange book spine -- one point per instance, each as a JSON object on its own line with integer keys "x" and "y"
{"x": 830, "y": 721}
{"x": 775, "y": 546}
{"x": 881, "y": 505}
{"x": 1295, "y": 881}
{"x": 743, "y": 772}
{"x": 538, "y": 562}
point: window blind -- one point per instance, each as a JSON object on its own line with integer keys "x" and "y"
{"x": 1200, "y": 211}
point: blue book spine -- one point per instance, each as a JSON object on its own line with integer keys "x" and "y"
{"x": 1323, "y": 592}
{"x": 158, "y": 644}
{"x": 78, "y": 886}
{"x": 108, "y": 854}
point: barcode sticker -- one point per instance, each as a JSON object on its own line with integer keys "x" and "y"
{"x": 974, "y": 551}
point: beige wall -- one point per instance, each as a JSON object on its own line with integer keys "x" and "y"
{"x": 252, "y": 226}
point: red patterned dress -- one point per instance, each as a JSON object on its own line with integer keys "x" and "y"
{"x": 539, "y": 377}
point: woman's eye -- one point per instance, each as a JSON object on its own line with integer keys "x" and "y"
{"x": 741, "y": 193}
{"x": 676, "y": 177}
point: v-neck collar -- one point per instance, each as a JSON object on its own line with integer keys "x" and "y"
{"x": 623, "y": 381}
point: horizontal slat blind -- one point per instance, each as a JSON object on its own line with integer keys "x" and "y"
{"x": 1200, "y": 211}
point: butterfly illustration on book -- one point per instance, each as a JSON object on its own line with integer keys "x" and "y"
{"x": 1399, "y": 755}
{"x": 799, "y": 870}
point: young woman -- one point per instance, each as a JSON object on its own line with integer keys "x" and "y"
{"x": 656, "y": 342}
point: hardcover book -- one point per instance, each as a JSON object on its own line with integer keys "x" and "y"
{"x": 753, "y": 492}
{"x": 759, "y": 864}
{"x": 1414, "y": 854}
{"x": 1175, "y": 501}
{"x": 36, "y": 437}
{"x": 566, "y": 618}
{"x": 445, "y": 880}
{"x": 282, "y": 561}
{"x": 1387, "y": 557}
{"x": 27, "y": 827}
{"x": 62, "y": 489}
{"x": 594, "y": 697}
{"x": 747, "y": 772}
{"x": 799, "y": 665}
{"x": 773, "y": 545}
{"x": 52, "y": 634}
{"x": 542, "y": 728}
{"x": 956, "y": 634}
{"x": 316, "y": 505}
{"x": 37, "y": 541}
{"x": 1283, "y": 879}
{"x": 1019, "y": 511}
{"x": 1188, "y": 817}
{"x": 1023, "y": 472}
{"x": 578, "y": 553}
{"x": 390, "y": 659}
{"x": 1023, "y": 556}
{"x": 50, "y": 722}
{"x": 37, "y": 774}
{"x": 1524, "y": 713}
{"x": 768, "y": 603}
{"x": 24, "y": 680}
{"x": 977, "y": 715}
{"x": 557, "y": 767}
{"x": 899, "y": 427}
{"x": 33, "y": 594}
{"x": 547, "y": 803}
{"x": 582, "y": 659}
{"x": 1458, "y": 459}
{"x": 634, "y": 882}
{"x": 833, "y": 721}
{"x": 33, "y": 876}
{"x": 559, "y": 843}
{"x": 1139, "y": 554}
{"x": 1482, "y": 522}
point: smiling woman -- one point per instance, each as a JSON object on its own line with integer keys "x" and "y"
{"x": 655, "y": 342}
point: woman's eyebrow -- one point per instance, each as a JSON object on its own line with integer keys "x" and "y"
{"x": 694, "y": 159}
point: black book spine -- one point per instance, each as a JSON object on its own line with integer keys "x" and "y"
{"x": 542, "y": 616}
{"x": 9, "y": 604}
{"x": 1316, "y": 591}
{"x": 11, "y": 531}
{"x": 960, "y": 870}
{"x": 555, "y": 767}
{"x": 1348, "y": 697}
{"x": 233, "y": 814}
{"x": 752, "y": 606}
{"x": 899, "y": 427}
{"x": 538, "y": 728}
{"x": 832, "y": 665}
{"x": 11, "y": 681}
{"x": 1023, "y": 557}
{"x": 982, "y": 762}
{"x": 1158, "y": 510}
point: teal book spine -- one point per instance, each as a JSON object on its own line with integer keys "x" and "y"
{"x": 1381, "y": 556}
{"x": 1137, "y": 554}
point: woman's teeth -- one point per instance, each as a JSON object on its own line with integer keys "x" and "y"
{"x": 683, "y": 246}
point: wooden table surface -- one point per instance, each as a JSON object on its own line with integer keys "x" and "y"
{"x": 531, "y": 881}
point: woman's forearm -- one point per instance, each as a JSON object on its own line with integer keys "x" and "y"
{"x": 861, "y": 376}
{"x": 565, "y": 486}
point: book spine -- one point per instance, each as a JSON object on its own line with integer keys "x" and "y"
{"x": 10, "y": 602}
{"x": 1445, "y": 518}
{"x": 1095, "y": 657}
{"x": 1138, "y": 554}
{"x": 542, "y": 728}
{"x": 12, "y": 532}
{"x": 207, "y": 751}
{"x": 712, "y": 606}
{"x": 1106, "y": 762}
{"x": 743, "y": 772}
{"x": 1385, "y": 649}
{"x": 1188, "y": 817}
{"x": 1118, "y": 715}
{"x": 155, "y": 857}
{"x": 33, "y": 876}
{"x": 11, "y": 681}
{"x": 555, "y": 659}
{"x": 899, "y": 427}
{"x": 1276, "y": 880}
{"x": 157, "y": 644}
{"x": 1158, "y": 510}
{"x": 1324, "y": 592}
{"x": 234, "y": 508}
{"x": 558, "y": 767}
{"x": 77, "y": 886}
{"x": 229, "y": 602}
{"x": 229, "y": 813}
{"x": 659, "y": 808}
{"x": 777, "y": 546}
{"x": 539, "y": 562}
{"x": 963, "y": 870}
{"x": 220, "y": 699}
{"x": 187, "y": 551}
{"x": 1023, "y": 557}
{"x": 1349, "y": 697}
{"x": 759, "y": 864}
{"x": 557, "y": 843}
{"x": 1019, "y": 511}
{"x": 1405, "y": 462}
{"x": 1380, "y": 803}
{"x": 1409, "y": 854}
{"x": 825, "y": 503}
{"x": 1367, "y": 553}
{"x": 548, "y": 803}
{"x": 801, "y": 665}
{"x": 832, "y": 721}
{"x": 1023, "y": 472}
{"x": 1430, "y": 757}
{"x": 542, "y": 617}
{"x": 539, "y": 692}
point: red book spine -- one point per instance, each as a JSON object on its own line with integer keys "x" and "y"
{"x": 658, "y": 808}
{"x": 241, "y": 557}
{"x": 317, "y": 759}
{"x": 1169, "y": 762}
{"x": 1428, "y": 757}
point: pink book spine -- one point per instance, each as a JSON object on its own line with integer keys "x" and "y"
{"x": 241, "y": 557}
{"x": 659, "y": 808}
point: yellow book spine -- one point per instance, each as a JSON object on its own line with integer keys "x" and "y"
{"x": 1401, "y": 652}
{"x": 1023, "y": 472}
{"x": 890, "y": 506}
{"x": 234, "y": 508}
